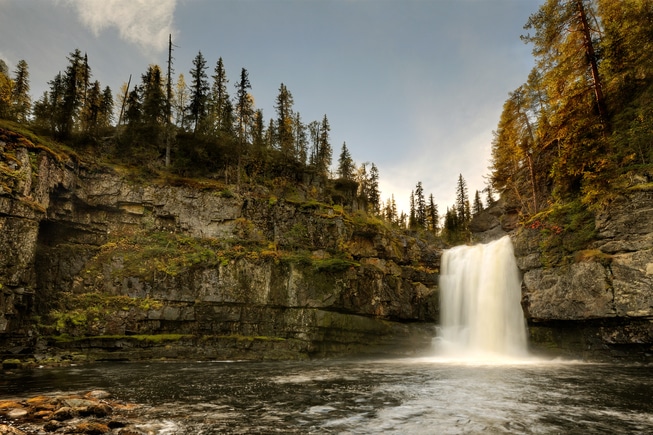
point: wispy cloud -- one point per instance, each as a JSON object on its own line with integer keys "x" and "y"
{"x": 146, "y": 23}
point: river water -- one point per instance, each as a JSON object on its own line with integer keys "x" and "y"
{"x": 482, "y": 380}
{"x": 391, "y": 396}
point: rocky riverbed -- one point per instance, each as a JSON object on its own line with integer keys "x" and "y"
{"x": 91, "y": 412}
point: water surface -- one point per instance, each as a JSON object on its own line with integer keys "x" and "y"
{"x": 396, "y": 396}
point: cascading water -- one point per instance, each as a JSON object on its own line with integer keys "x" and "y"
{"x": 480, "y": 310}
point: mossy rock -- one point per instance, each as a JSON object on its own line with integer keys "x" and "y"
{"x": 12, "y": 363}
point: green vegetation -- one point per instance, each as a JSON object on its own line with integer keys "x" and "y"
{"x": 194, "y": 133}
{"x": 564, "y": 229}
{"x": 575, "y": 134}
{"x": 578, "y": 132}
{"x": 83, "y": 313}
{"x": 148, "y": 338}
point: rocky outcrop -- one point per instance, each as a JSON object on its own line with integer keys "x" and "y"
{"x": 600, "y": 302}
{"x": 103, "y": 265}
{"x": 594, "y": 302}
{"x": 94, "y": 412}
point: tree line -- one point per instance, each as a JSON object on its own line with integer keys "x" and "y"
{"x": 584, "y": 117}
{"x": 192, "y": 126}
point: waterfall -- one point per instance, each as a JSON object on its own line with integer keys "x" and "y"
{"x": 480, "y": 309}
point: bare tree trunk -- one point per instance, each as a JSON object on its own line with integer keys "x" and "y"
{"x": 591, "y": 55}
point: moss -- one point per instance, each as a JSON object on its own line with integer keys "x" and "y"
{"x": 242, "y": 338}
{"x": 593, "y": 255}
{"x": 564, "y": 228}
{"x": 334, "y": 264}
{"x": 11, "y": 363}
{"x": 145, "y": 254}
{"x": 151, "y": 338}
{"x": 643, "y": 187}
{"x": 78, "y": 314}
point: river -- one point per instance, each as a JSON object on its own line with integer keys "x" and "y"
{"x": 390, "y": 396}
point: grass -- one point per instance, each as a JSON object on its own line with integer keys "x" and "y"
{"x": 147, "y": 338}
{"x": 565, "y": 229}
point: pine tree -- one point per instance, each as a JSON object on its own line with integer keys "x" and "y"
{"x": 180, "y": 104}
{"x": 90, "y": 115}
{"x": 373, "y": 193}
{"x": 324, "y": 152}
{"x": 55, "y": 104}
{"x": 244, "y": 113}
{"x": 218, "y": 98}
{"x": 412, "y": 219}
{"x": 420, "y": 206}
{"x": 390, "y": 210}
{"x": 199, "y": 88}
{"x": 154, "y": 106}
{"x": 432, "y": 216}
{"x": 20, "y": 97}
{"x": 489, "y": 196}
{"x": 74, "y": 80}
{"x": 301, "y": 139}
{"x": 478, "y": 204}
{"x": 106, "y": 109}
{"x": 5, "y": 91}
{"x": 42, "y": 112}
{"x": 462, "y": 203}
{"x": 284, "y": 124}
{"x": 346, "y": 166}
{"x": 565, "y": 48}
{"x": 403, "y": 220}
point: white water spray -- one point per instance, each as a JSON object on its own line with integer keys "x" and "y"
{"x": 480, "y": 309}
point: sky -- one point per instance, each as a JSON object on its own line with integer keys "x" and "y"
{"x": 414, "y": 86}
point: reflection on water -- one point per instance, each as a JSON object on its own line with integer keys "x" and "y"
{"x": 418, "y": 396}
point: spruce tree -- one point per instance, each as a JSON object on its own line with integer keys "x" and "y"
{"x": 199, "y": 88}
{"x": 462, "y": 203}
{"x": 373, "y": 193}
{"x": 324, "y": 153}
{"x": 284, "y": 123}
{"x": 346, "y": 165}
{"x": 181, "y": 103}
{"x": 432, "y": 216}
{"x": 5, "y": 91}
{"x": 301, "y": 139}
{"x": 478, "y": 204}
{"x": 20, "y": 97}
{"x": 218, "y": 98}
{"x": 74, "y": 83}
{"x": 412, "y": 219}
{"x": 420, "y": 206}
{"x": 244, "y": 113}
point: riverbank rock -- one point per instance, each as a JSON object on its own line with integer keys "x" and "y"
{"x": 601, "y": 302}
{"x": 78, "y": 413}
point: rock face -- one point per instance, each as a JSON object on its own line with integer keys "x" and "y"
{"x": 126, "y": 269}
{"x": 601, "y": 302}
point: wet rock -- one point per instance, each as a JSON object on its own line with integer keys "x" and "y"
{"x": 68, "y": 414}
{"x": 92, "y": 428}
{"x": 63, "y": 414}
{"x": 17, "y": 413}
{"x": 8, "y": 430}
{"x": 98, "y": 394}
{"x": 53, "y": 426}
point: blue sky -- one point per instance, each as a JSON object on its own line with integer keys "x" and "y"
{"x": 415, "y": 86}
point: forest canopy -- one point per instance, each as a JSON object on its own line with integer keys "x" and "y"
{"x": 583, "y": 120}
{"x": 579, "y": 129}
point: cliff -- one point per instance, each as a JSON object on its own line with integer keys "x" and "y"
{"x": 592, "y": 302}
{"x": 97, "y": 263}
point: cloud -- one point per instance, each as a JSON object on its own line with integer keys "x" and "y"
{"x": 146, "y": 23}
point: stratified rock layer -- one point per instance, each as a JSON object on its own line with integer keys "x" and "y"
{"x": 109, "y": 268}
{"x": 602, "y": 301}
